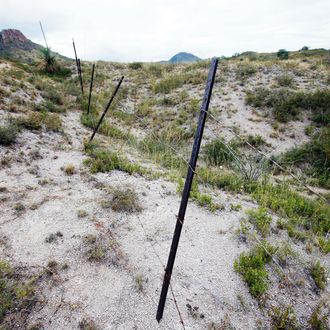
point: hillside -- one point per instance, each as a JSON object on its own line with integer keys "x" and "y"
{"x": 183, "y": 57}
{"x": 86, "y": 228}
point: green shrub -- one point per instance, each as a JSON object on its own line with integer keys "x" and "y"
{"x": 316, "y": 154}
{"x": 320, "y": 316}
{"x": 125, "y": 200}
{"x": 260, "y": 219}
{"x": 135, "y": 65}
{"x": 284, "y": 318}
{"x": 256, "y": 140}
{"x": 166, "y": 85}
{"x": 283, "y": 54}
{"x": 217, "y": 153}
{"x": 252, "y": 267}
{"x": 319, "y": 275}
{"x": 102, "y": 160}
{"x": 284, "y": 80}
{"x": 244, "y": 71}
{"x": 8, "y": 134}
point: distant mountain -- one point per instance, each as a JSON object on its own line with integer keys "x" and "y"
{"x": 14, "y": 45}
{"x": 184, "y": 57}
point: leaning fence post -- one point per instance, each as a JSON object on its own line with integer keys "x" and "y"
{"x": 106, "y": 109}
{"x": 90, "y": 89}
{"x": 78, "y": 67}
{"x": 187, "y": 187}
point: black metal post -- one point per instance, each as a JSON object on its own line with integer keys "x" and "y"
{"x": 187, "y": 187}
{"x": 107, "y": 107}
{"x": 90, "y": 89}
{"x": 80, "y": 77}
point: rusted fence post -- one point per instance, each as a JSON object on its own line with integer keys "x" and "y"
{"x": 187, "y": 187}
{"x": 106, "y": 109}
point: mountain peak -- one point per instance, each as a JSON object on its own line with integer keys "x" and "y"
{"x": 184, "y": 57}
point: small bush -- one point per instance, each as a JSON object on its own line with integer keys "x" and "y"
{"x": 320, "y": 316}
{"x": 69, "y": 169}
{"x": 319, "y": 275}
{"x": 8, "y": 135}
{"x": 217, "y": 153}
{"x": 284, "y": 318}
{"x": 244, "y": 71}
{"x": 135, "y": 65}
{"x": 125, "y": 200}
{"x": 284, "y": 80}
{"x": 283, "y": 54}
{"x": 260, "y": 219}
{"x": 166, "y": 85}
{"x": 256, "y": 140}
{"x": 252, "y": 267}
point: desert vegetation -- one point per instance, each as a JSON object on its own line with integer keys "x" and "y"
{"x": 104, "y": 211}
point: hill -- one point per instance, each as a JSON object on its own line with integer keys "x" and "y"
{"x": 184, "y": 57}
{"x": 85, "y": 228}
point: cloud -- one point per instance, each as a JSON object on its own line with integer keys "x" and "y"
{"x": 150, "y": 30}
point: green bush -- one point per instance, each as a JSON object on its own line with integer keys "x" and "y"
{"x": 217, "y": 153}
{"x": 8, "y": 135}
{"x": 284, "y": 80}
{"x": 256, "y": 140}
{"x": 252, "y": 266}
{"x": 125, "y": 200}
{"x": 284, "y": 318}
{"x": 283, "y": 54}
{"x": 319, "y": 275}
{"x": 260, "y": 219}
{"x": 135, "y": 65}
{"x": 316, "y": 154}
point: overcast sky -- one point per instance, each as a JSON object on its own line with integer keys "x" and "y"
{"x": 152, "y": 30}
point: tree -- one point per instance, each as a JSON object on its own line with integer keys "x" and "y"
{"x": 283, "y": 54}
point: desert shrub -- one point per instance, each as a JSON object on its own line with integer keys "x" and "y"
{"x": 33, "y": 121}
{"x": 245, "y": 70}
{"x": 125, "y": 200}
{"x": 156, "y": 70}
{"x": 319, "y": 275}
{"x": 252, "y": 267}
{"x": 260, "y": 219}
{"x": 284, "y": 80}
{"x": 256, "y": 140}
{"x": 283, "y": 54}
{"x": 8, "y": 134}
{"x": 17, "y": 297}
{"x": 135, "y": 65}
{"x": 53, "y": 95}
{"x": 287, "y": 105}
{"x": 320, "y": 316}
{"x": 316, "y": 154}
{"x": 284, "y": 318}
{"x": 69, "y": 169}
{"x": 217, "y": 153}
{"x": 160, "y": 152}
{"x": 166, "y": 85}
{"x": 102, "y": 160}
{"x": 53, "y": 122}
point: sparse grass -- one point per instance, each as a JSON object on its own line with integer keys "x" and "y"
{"x": 319, "y": 275}
{"x": 69, "y": 169}
{"x": 320, "y": 316}
{"x": 284, "y": 318}
{"x": 245, "y": 70}
{"x": 17, "y": 297}
{"x": 102, "y": 160}
{"x": 8, "y": 134}
{"x": 203, "y": 200}
{"x": 256, "y": 140}
{"x": 260, "y": 219}
{"x": 125, "y": 200}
